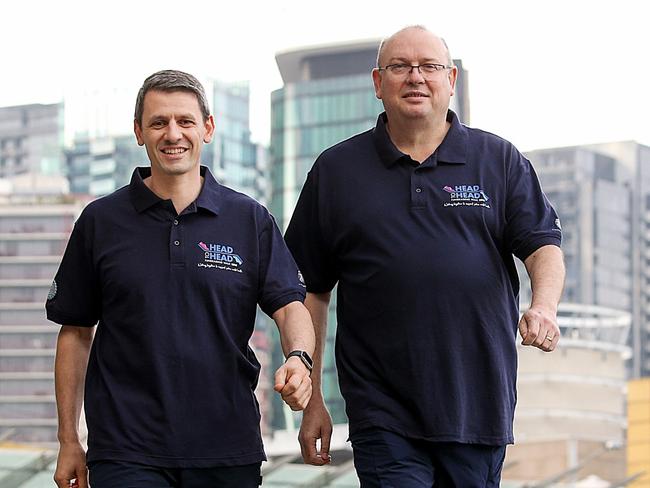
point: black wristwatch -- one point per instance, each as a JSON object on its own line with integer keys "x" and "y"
{"x": 304, "y": 357}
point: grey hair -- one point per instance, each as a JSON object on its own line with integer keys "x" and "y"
{"x": 386, "y": 40}
{"x": 170, "y": 80}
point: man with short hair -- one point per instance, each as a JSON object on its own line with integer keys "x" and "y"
{"x": 417, "y": 220}
{"x": 171, "y": 268}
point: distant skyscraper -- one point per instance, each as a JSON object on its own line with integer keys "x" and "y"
{"x": 328, "y": 96}
{"x": 31, "y": 138}
{"x": 100, "y": 166}
{"x": 234, "y": 159}
{"x": 602, "y": 195}
{"x": 34, "y": 229}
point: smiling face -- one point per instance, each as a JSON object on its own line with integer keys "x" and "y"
{"x": 173, "y": 131}
{"x": 411, "y": 96}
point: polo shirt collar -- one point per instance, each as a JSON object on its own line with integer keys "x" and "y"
{"x": 143, "y": 198}
{"x": 453, "y": 149}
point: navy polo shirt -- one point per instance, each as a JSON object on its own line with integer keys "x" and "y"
{"x": 171, "y": 376}
{"x": 427, "y": 301}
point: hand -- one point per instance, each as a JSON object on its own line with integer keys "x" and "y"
{"x": 316, "y": 424}
{"x": 538, "y": 327}
{"x": 293, "y": 383}
{"x": 71, "y": 465}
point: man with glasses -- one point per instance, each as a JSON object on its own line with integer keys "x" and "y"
{"x": 417, "y": 220}
{"x": 171, "y": 269}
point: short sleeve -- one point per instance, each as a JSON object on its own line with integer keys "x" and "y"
{"x": 531, "y": 221}
{"x": 74, "y": 295}
{"x": 306, "y": 239}
{"x": 280, "y": 280}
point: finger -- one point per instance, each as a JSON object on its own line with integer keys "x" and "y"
{"x": 549, "y": 345}
{"x": 62, "y": 481}
{"x": 326, "y": 437}
{"x": 280, "y": 378}
{"x": 299, "y": 402}
{"x": 532, "y": 329}
{"x": 309, "y": 450}
{"x": 82, "y": 479}
{"x": 303, "y": 399}
{"x": 523, "y": 328}
{"x": 293, "y": 384}
{"x": 307, "y": 447}
{"x": 294, "y": 395}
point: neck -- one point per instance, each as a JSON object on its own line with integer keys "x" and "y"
{"x": 419, "y": 138}
{"x": 180, "y": 189}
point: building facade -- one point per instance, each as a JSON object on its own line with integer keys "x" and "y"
{"x": 31, "y": 139}
{"x": 235, "y": 160}
{"x": 638, "y": 433}
{"x": 34, "y": 230}
{"x": 602, "y": 195}
{"x": 100, "y": 166}
{"x": 328, "y": 96}
{"x": 571, "y": 404}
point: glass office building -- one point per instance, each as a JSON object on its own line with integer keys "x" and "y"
{"x": 31, "y": 138}
{"x": 235, "y": 160}
{"x": 99, "y": 166}
{"x": 602, "y": 195}
{"x": 328, "y": 96}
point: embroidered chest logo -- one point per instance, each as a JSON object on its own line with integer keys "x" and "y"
{"x": 466, "y": 195}
{"x": 220, "y": 256}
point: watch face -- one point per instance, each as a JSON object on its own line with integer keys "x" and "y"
{"x": 307, "y": 360}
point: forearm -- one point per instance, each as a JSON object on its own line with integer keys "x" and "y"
{"x": 317, "y": 304}
{"x": 545, "y": 267}
{"x": 72, "y": 352}
{"x": 296, "y": 330}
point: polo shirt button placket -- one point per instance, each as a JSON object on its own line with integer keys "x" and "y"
{"x": 417, "y": 195}
{"x": 176, "y": 253}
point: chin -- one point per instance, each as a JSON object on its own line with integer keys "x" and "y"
{"x": 178, "y": 169}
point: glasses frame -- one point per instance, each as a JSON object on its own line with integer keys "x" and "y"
{"x": 411, "y": 67}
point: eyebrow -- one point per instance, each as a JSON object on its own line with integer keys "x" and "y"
{"x": 156, "y": 117}
{"x": 407, "y": 61}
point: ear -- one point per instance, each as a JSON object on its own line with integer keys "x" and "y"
{"x": 138, "y": 133}
{"x": 452, "y": 75}
{"x": 376, "y": 81}
{"x": 209, "y": 129}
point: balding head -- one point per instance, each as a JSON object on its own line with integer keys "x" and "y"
{"x": 386, "y": 42}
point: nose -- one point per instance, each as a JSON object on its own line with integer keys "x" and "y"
{"x": 415, "y": 75}
{"x": 173, "y": 133}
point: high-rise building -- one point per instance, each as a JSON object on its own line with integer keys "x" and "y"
{"x": 235, "y": 160}
{"x": 31, "y": 139}
{"x": 328, "y": 96}
{"x": 602, "y": 195}
{"x": 34, "y": 229}
{"x": 100, "y": 166}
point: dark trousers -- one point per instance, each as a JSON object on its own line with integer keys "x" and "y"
{"x": 113, "y": 474}
{"x": 387, "y": 460}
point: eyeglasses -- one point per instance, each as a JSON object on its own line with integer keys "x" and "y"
{"x": 427, "y": 70}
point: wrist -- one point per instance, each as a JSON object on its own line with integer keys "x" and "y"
{"x": 302, "y": 356}
{"x": 549, "y": 307}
